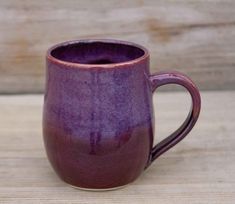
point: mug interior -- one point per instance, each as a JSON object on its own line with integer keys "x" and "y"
{"x": 96, "y": 52}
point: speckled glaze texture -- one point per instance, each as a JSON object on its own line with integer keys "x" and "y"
{"x": 98, "y": 114}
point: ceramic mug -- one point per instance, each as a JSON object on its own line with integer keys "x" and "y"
{"x": 98, "y": 119}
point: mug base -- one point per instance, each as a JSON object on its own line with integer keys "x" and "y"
{"x": 98, "y": 189}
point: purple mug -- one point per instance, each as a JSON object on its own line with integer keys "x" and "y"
{"x": 98, "y": 119}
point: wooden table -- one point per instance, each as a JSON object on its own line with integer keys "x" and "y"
{"x": 201, "y": 169}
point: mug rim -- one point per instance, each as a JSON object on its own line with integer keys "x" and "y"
{"x": 53, "y": 59}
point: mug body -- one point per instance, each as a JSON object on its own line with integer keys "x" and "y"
{"x": 97, "y": 118}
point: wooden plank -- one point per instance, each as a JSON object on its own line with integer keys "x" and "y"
{"x": 195, "y": 37}
{"x": 198, "y": 170}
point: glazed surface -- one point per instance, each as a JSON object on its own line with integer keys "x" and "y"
{"x": 97, "y": 123}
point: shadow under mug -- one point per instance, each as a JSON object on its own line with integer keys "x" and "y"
{"x": 98, "y": 113}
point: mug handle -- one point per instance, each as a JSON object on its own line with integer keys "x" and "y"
{"x": 163, "y": 78}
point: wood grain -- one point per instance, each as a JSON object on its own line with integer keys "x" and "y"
{"x": 194, "y": 36}
{"x": 198, "y": 170}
